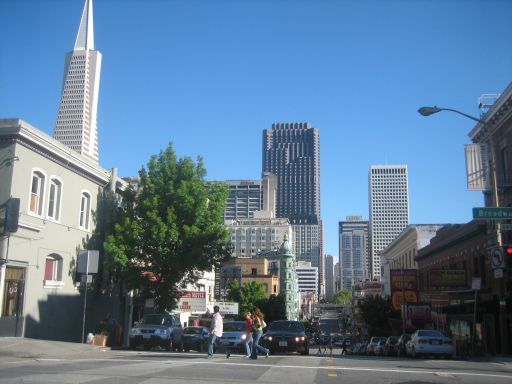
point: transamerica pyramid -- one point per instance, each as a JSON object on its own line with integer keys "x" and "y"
{"x": 76, "y": 120}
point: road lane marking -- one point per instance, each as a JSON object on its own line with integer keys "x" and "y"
{"x": 181, "y": 363}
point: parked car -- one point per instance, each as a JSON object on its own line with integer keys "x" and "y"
{"x": 378, "y": 350}
{"x": 286, "y": 336}
{"x": 234, "y": 336}
{"x": 401, "y": 343}
{"x": 390, "y": 346}
{"x": 153, "y": 330}
{"x": 195, "y": 338}
{"x": 358, "y": 348}
{"x": 370, "y": 348}
{"x": 429, "y": 342}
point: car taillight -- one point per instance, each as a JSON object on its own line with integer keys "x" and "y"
{"x": 422, "y": 341}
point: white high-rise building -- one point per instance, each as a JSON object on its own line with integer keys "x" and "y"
{"x": 76, "y": 120}
{"x": 389, "y": 208}
{"x": 307, "y": 277}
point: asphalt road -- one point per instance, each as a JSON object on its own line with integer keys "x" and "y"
{"x": 123, "y": 366}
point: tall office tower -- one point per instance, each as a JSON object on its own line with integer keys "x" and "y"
{"x": 329, "y": 277}
{"x": 307, "y": 277}
{"x": 354, "y": 263}
{"x": 76, "y": 120}
{"x": 249, "y": 196}
{"x": 389, "y": 208}
{"x": 291, "y": 151}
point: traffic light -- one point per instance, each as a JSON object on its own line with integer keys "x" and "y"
{"x": 507, "y": 250}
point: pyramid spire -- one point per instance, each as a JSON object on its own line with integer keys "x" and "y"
{"x": 76, "y": 124}
{"x": 85, "y": 36}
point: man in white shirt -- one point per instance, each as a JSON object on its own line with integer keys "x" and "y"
{"x": 215, "y": 330}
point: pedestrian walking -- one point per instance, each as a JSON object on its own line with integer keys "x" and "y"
{"x": 215, "y": 330}
{"x": 329, "y": 344}
{"x": 248, "y": 338}
{"x": 258, "y": 325}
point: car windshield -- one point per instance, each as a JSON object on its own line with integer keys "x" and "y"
{"x": 234, "y": 327}
{"x": 289, "y": 326}
{"x": 154, "y": 320}
{"x": 429, "y": 333}
{"x": 192, "y": 331}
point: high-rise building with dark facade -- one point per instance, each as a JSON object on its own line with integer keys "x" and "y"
{"x": 354, "y": 265}
{"x": 291, "y": 151}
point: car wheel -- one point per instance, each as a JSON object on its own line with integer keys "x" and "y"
{"x": 306, "y": 352}
{"x": 147, "y": 347}
{"x": 168, "y": 347}
{"x": 413, "y": 353}
{"x": 132, "y": 345}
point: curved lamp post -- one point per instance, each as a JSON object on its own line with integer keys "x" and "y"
{"x": 427, "y": 111}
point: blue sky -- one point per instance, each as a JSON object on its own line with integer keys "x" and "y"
{"x": 210, "y": 75}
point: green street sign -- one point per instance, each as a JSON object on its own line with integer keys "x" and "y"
{"x": 502, "y": 213}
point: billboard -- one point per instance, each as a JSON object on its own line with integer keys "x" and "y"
{"x": 404, "y": 279}
{"x": 403, "y": 282}
{"x": 192, "y": 301}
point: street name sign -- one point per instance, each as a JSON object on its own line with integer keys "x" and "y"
{"x": 501, "y": 213}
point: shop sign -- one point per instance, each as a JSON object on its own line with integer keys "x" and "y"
{"x": 192, "y": 301}
{"x": 447, "y": 278}
{"x": 418, "y": 313}
{"x": 227, "y": 308}
{"x": 397, "y": 298}
{"x": 403, "y": 279}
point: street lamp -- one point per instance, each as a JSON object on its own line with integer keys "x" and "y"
{"x": 427, "y": 111}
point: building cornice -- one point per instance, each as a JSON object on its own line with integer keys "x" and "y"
{"x": 500, "y": 111}
{"x": 20, "y": 132}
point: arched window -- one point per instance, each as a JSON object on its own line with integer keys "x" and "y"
{"x": 85, "y": 210}
{"x": 36, "y": 193}
{"x": 54, "y": 199}
{"x": 53, "y": 271}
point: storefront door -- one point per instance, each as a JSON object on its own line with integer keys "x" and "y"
{"x": 11, "y": 321}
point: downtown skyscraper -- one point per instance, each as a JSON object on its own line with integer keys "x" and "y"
{"x": 388, "y": 190}
{"x": 76, "y": 119}
{"x": 291, "y": 151}
{"x": 354, "y": 265}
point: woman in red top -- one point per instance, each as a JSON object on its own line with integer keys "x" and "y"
{"x": 248, "y": 335}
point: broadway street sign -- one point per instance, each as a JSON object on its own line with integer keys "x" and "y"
{"x": 502, "y": 213}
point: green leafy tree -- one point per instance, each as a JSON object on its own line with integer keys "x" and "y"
{"x": 172, "y": 229}
{"x": 376, "y": 313}
{"x": 246, "y": 296}
{"x": 274, "y": 308}
{"x": 343, "y": 297}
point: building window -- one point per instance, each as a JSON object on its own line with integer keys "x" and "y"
{"x": 36, "y": 193}
{"x": 254, "y": 271}
{"x": 85, "y": 211}
{"x": 53, "y": 271}
{"x": 54, "y": 199}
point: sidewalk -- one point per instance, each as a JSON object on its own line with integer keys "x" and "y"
{"x": 19, "y": 348}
